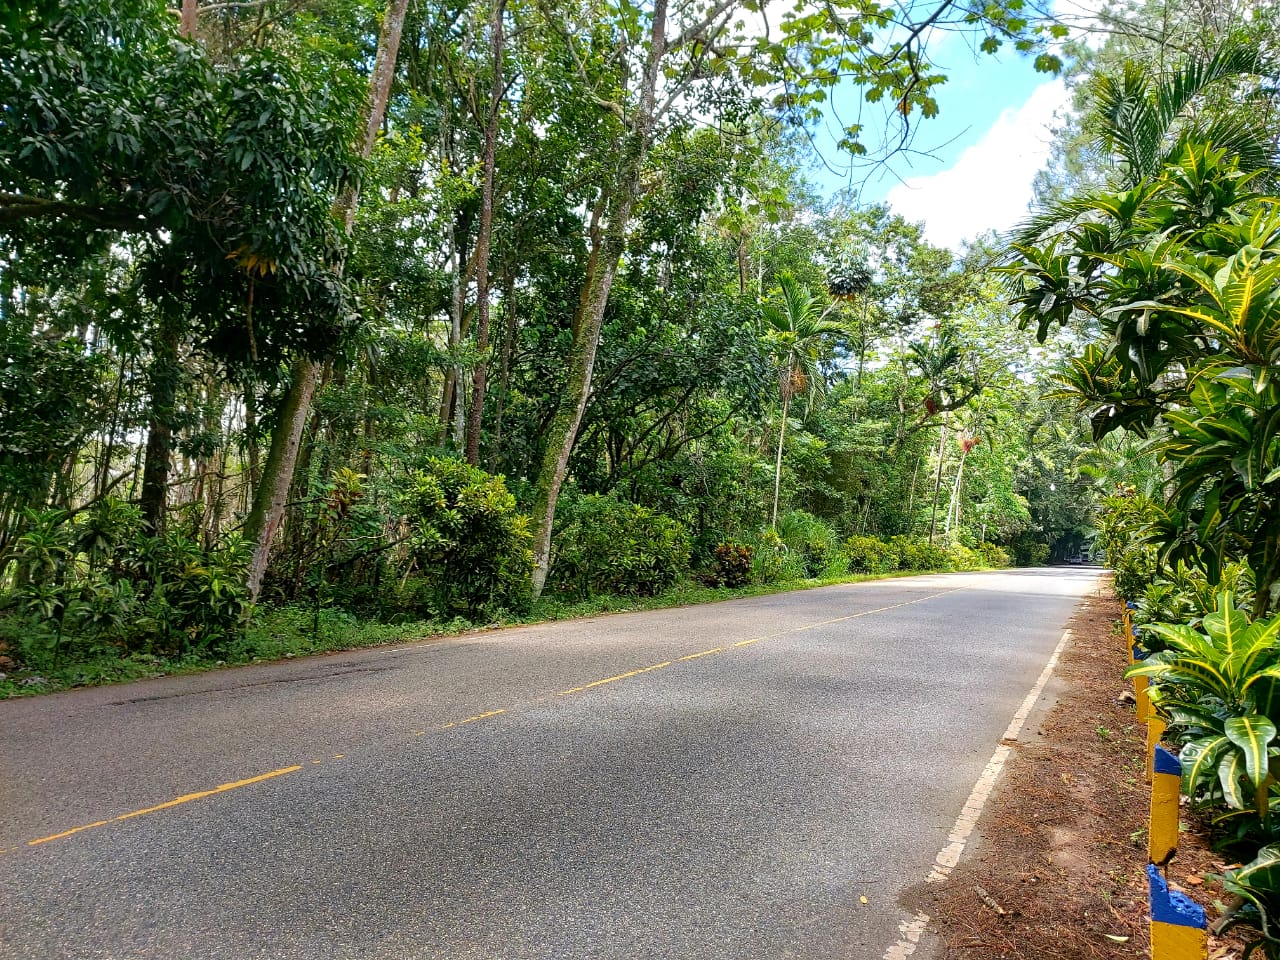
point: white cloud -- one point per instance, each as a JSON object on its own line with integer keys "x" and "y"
{"x": 989, "y": 185}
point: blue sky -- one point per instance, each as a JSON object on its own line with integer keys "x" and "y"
{"x": 972, "y": 165}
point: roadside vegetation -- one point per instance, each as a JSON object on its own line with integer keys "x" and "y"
{"x": 1165, "y": 260}
{"x": 329, "y": 323}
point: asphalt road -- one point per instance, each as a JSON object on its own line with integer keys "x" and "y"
{"x": 724, "y": 781}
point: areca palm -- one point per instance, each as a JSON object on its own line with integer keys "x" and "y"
{"x": 796, "y": 327}
{"x": 1144, "y": 126}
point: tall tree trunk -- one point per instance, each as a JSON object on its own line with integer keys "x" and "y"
{"x": 277, "y": 474}
{"x": 162, "y": 382}
{"x": 504, "y": 371}
{"x": 608, "y": 243}
{"x": 937, "y": 482}
{"x": 270, "y": 496}
{"x": 476, "y": 418}
{"x": 954, "y": 505}
{"x": 190, "y": 19}
{"x": 777, "y": 466}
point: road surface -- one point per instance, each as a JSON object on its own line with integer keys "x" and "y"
{"x": 722, "y": 782}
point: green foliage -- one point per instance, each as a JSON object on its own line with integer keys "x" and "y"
{"x": 994, "y": 556}
{"x": 733, "y": 566}
{"x": 605, "y": 545}
{"x": 100, "y": 583}
{"x": 919, "y": 554}
{"x": 1257, "y": 883}
{"x": 812, "y": 543}
{"x": 870, "y": 555}
{"x": 771, "y": 561}
{"x": 960, "y": 557}
{"x": 468, "y": 539}
{"x": 1218, "y": 687}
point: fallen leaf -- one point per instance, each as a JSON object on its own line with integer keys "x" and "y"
{"x": 1116, "y": 938}
{"x": 1194, "y": 880}
{"x": 862, "y": 899}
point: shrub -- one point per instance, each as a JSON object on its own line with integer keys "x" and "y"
{"x": 607, "y": 545}
{"x": 960, "y": 557}
{"x": 994, "y": 556}
{"x": 471, "y": 543}
{"x": 769, "y": 562}
{"x": 733, "y": 564}
{"x": 920, "y": 554}
{"x": 811, "y": 542}
{"x": 100, "y": 585}
{"x": 870, "y": 555}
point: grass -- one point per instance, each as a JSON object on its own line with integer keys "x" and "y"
{"x": 285, "y": 633}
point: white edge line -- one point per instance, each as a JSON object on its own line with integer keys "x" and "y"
{"x": 911, "y": 930}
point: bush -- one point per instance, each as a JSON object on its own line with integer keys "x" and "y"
{"x": 812, "y": 543}
{"x": 993, "y": 556}
{"x": 960, "y": 557}
{"x": 770, "y": 561}
{"x": 101, "y": 586}
{"x": 920, "y": 554}
{"x": 733, "y": 564}
{"x": 870, "y": 555}
{"x": 606, "y": 545}
{"x": 471, "y": 544}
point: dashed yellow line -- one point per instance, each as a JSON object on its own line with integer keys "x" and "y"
{"x": 702, "y": 653}
{"x": 621, "y": 676}
{"x": 224, "y": 788}
{"x": 745, "y": 643}
{"x": 185, "y": 798}
{"x": 478, "y": 716}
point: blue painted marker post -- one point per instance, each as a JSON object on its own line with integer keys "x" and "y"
{"x": 1166, "y": 785}
{"x": 1177, "y": 922}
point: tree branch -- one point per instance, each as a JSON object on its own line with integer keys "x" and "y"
{"x": 18, "y": 207}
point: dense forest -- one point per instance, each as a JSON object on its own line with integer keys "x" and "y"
{"x": 326, "y": 322}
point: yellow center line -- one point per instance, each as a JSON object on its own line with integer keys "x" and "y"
{"x": 186, "y": 798}
{"x": 478, "y": 716}
{"x": 703, "y": 653}
{"x": 744, "y": 643}
{"x": 621, "y": 676}
{"x": 223, "y": 788}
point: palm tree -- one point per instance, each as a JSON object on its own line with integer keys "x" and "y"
{"x": 796, "y": 327}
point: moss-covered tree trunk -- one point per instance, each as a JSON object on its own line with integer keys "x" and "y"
{"x": 277, "y": 472}
{"x": 608, "y": 239}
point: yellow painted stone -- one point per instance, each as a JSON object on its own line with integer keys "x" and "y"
{"x": 1143, "y": 698}
{"x": 1155, "y": 733}
{"x": 1172, "y": 942}
{"x": 1162, "y": 837}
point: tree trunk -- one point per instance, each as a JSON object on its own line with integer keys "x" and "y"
{"x": 504, "y": 371}
{"x": 476, "y": 418}
{"x": 777, "y": 467}
{"x": 190, "y": 19}
{"x": 937, "y": 483}
{"x": 606, "y": 249}
{"x": 269, "y": 498}
{"x": 277, "y": 474}
{"x": 954, "y": 505}
{"x": 162, "y": 377}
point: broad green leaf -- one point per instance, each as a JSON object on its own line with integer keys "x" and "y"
{"x": 1253, "y": 735}
{"x": 1230, "y": 769}
{"x": 1199, "y": 759}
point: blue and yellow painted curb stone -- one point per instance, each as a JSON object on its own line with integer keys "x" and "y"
{"x": 1177, "y": 922}
{"x": 1166, "y": 781}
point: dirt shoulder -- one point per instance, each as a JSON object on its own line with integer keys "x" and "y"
{"x": 1059, "y": 873}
